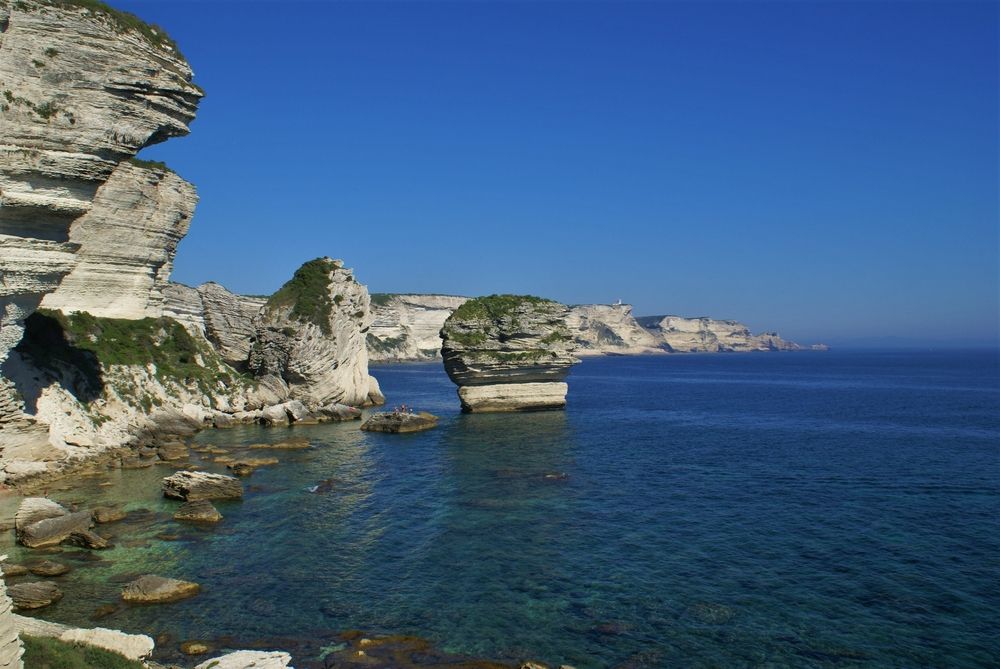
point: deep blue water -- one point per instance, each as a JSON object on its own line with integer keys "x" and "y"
{"x": 808, "y": 510}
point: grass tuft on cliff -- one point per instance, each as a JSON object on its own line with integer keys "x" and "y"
{"x": 46, "y": 653}
{"x": 150, "y": 164}
{"x": 123, "y": 21}
{"x": 308, "y": 293}
{"x": 495, "y": 307}
{"x": 56, "y": 340}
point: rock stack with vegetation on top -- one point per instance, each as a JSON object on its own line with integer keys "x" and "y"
{"x": 508, "y": 353}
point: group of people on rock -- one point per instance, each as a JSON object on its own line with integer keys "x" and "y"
{"x": 402, "y": 409}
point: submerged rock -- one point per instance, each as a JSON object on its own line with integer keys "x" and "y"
{"x": 508, "y": 353}
{"x": 12, "y": 570}
{"x": 87, "y": 539}
{"x": 107, "y": 514}
{"x": 49, "y": 568}
{"x": 151, "y": 589}
{"x": 34, "y": 595}
{"x": 398, "y": 421}
{"x": 194, "y": 486}
{"x": 195, "y": 648}
{"x": 201, "y": 511}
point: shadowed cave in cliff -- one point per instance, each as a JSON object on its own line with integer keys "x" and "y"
{"x": 48, "y": 346}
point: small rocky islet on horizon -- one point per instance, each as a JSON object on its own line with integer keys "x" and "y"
{"x": 106, "y": 363}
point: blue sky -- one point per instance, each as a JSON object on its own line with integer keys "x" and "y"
{"x": 828, "y": 170}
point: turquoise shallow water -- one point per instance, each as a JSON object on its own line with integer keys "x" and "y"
{"x": 813, "y": 509}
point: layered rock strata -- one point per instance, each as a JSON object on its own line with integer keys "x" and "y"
{"x": 603, "y": 329}
{"x": 701, "y": 335}
{"x": 309, "y": 339}
{"x": 127, "y": 242}
{"x": 224, "y": 318}
{"x": 82, "y": 89}
{"x": 407, "y": 327}
{"x": 508, "y": 353}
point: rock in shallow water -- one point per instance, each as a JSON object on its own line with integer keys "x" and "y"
{"x": 35, "y": 595}
{"x": 49, "y": 568}
{"x": 151, "y": 589}
{"x": 200, "y": 511}
{"x": 194, "y": 486}
{"x": 107, "y": 514}
{"x": 53, "y": 531}
{"x": 398, "y": 421}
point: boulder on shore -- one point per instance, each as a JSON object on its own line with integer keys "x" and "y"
{"x": 398, "y": 421}
{"x": 194, "y": 486}
{"x": 152, "y": 589}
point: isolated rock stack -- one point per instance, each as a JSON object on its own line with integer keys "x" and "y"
{"x": 508, "y": 353}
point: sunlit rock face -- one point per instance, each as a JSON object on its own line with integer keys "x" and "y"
{"x": 309, "y": 339}
{"x": 602, "y": 329}
{"x": 224, "y": 318}
{"x": 692, "y": 335}
{"x": 508, "y": 353}
{"x": 407, "y": 327}
{"x": 81, "y": 91}
{"x": 127, "y": 242}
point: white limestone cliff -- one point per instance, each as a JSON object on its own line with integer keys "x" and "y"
{"x": 603, "y": 329}
{"x": 691, "y": 335}
{"x": 81, "y": 91}
{"x": 407, "y": 327}
{"x": 310, "y": 338}
{"x": 127, "y": 242}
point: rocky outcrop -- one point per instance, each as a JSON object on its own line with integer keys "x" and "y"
{"x": 245, "y": 659}
{"x": 151, "y": 589}
{"x": 197, "y": 486}
{"x": 34, "y": 595}
{"x": 224, "y": 318}
{"x": 309, "y": 339}
{"x": 397, "y": 422}
{"x": 127, "y": 242}
{"x": 407, "y": 327}
{"x": 11, "y": 648}
{"x": 508, "y": 353}
{"x": 690, "y": 335}
{"x": 82, "y": 89}
{"x": 602, "y": 329}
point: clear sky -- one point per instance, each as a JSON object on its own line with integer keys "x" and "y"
{"x": 828, "y": 170}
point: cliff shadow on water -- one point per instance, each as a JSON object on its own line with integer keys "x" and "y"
{"x": 47, "y": 345}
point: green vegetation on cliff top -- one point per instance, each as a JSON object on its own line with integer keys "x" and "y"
{"x": 308, "y": 293}
{"x": 495, "y": 307}
{"x": 123, "y": 21}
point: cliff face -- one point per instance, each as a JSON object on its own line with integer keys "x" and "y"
{"x": 508, "y": 353}
{"x": 82, "y": 90}
{"x": 127, "y": 242}
{"x": 225, "y": 319}
{"x": 690, "y": 335}
{"x": 309, "y": 339}
{"x": 602, "y": 329}
{"x": 407, "y": 327}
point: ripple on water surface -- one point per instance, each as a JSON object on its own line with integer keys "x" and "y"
{"x": 794, "y": 510}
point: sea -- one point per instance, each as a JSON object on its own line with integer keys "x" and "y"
{"x": 806, "y": 509}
